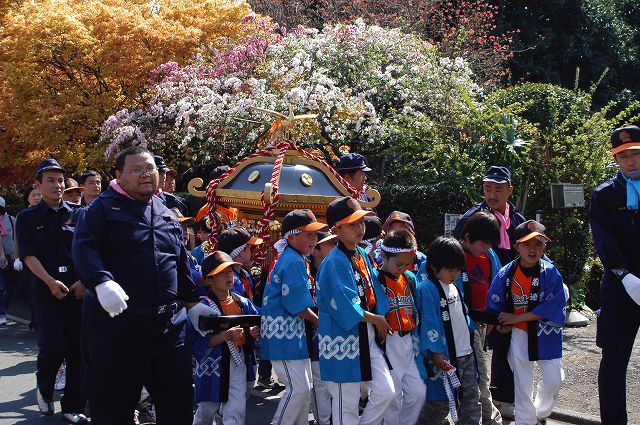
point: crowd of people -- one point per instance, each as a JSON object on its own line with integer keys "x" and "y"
{"x": 355, "y": 322}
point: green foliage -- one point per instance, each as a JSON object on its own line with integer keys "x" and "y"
{"x": 426, "y": 204}
{"x": 557, "y": 37}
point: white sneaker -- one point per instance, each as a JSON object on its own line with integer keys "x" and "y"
{"x": 45, "y": 406}
{"x": 3, "y": 320}
{"x": 61, "y": 378}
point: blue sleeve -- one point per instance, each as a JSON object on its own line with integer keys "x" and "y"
{"x": 87, "y": 241}
{"x": 552, "y": 298}
{"x": 250, "y": 307}
{"x": 432, "y": 336}
{"x": 295, "y": 287}
{"x": 336, "y": 279}
{"x": 382, "y": 301}
{"x": 495, "y": 296}
{"x": 495, "y": 263}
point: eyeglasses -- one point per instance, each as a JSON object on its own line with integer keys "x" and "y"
{"x": 141, "y": 172}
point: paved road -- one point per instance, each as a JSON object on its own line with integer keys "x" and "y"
{"x": 17, "y": 384}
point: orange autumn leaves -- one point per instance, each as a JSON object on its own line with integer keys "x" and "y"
{"x": 66, "y": 65}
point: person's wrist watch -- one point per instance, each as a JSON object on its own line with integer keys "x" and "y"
{"x": 620, "y": 273}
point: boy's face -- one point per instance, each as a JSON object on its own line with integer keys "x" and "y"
{"x": 244, "y": 257}
{"x": 477, "y": 248}
{"x": 222, "y": 281}
{"x": 629, "y": 162}
{"x": 203, "y": 235}
{"x": 322, "y": 250}
{"x": 169, "y": 183}
{"x": 185, "y": 234}
{"x": 447, "y": 275}
{"x": 530, "y": 252}
{"x": 350, "y": 234}
{"x": 397, "y": 264}
{"x": 303, "y": 242}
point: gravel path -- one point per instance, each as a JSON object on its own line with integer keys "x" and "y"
{"x": 581, "y": 361}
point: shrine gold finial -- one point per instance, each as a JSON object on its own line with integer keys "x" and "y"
{"x": 281, "y": 128}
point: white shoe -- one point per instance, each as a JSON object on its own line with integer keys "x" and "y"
{"x": 61, "y": 378}
{"x": 75, "y": 418}
{"x": 3, "y": 320}
{"x": 46, "y": 407}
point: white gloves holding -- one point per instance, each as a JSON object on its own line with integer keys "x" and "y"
{"x": 112, "y": 297}
{"x": 17, "y": 265}
{"x": 632, "y": 286}
{"x": 200, "y": 310}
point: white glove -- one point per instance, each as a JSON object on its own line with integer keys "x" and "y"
{"x": 200, "y": 310}
{"x": 632, "y": 286}
{"x": 17, "y": 265}
{"x": 112, "y": 297}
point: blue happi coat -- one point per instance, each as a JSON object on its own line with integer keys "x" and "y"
{"x": 339, "y": 314}
{"x": 432, "y": 335}
{"x": 552, "y": 306}
{"x": 283, "y": 335}
{"x": 212, "y": 363}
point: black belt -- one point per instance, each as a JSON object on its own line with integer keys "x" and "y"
{"x": 403, "y": 333}
{"x": 168, "y": 309}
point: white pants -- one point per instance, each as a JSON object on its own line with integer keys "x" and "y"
{"x": 410, "y": 389}
{"x": 320, "y": 396}
{"x": 528, "y": 410}
{"x": 345, "y": 397}
{"x": 232, "y": 411}
{"x": 490, "y": 414}
{"x": 293, "y": 407}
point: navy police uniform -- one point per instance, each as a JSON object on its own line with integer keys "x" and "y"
{"x": 616, "y": 232}
{"x": 139, "y": 246}
{"x": 46, "y": 234}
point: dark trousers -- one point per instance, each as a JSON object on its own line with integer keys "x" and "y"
{"x": 501, "y": 385}
{"x": 617, "y": 328}
{"x": 58, "y": 323}
{"x": 132, "y": 350}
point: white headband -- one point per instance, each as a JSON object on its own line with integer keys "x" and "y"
{"x": 237, "y": 251}
{"x": 394, "y": 250}
{"x": 281, "y": 244}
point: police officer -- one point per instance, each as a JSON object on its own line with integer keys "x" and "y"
{"x": 170, "y": 200}
{"x": 615, "y": 224}
{"x": 44, "y": 234}
{"x": 128, "y": 251}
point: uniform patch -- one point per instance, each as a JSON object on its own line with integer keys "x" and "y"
{"x": 285, "y": 289}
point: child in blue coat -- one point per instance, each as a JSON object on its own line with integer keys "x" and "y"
{"x": 352, "y": 326}
{"x": 529, "y": 296}
{"x": 286, "y": 305}
{"x": 446, "y": 338}
{"x": 223, "y": 359}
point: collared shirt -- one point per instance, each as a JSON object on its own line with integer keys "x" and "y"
{"x": 46, "y": 233}
{"x": 116, "y": 240}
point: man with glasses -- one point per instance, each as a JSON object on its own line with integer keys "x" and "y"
{"x": 128, "y": 252}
